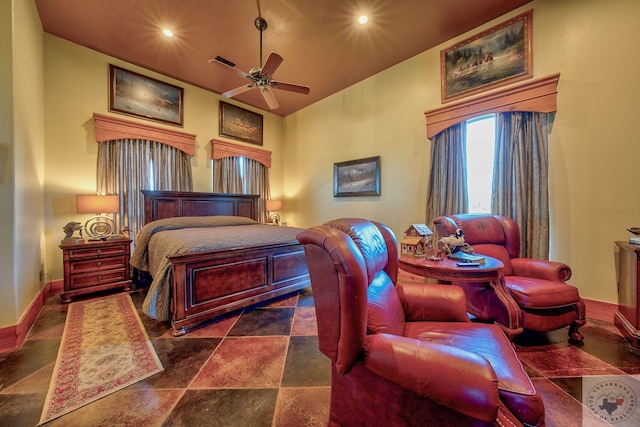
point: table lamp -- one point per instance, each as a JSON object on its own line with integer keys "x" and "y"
{"x": 273, "y": 206}
{"x": 99, "y": 227}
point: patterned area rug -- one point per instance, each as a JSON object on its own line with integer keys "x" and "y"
{"x": 104, "y": 348}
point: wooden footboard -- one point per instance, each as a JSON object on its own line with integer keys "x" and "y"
{"x": 209, "y": 284}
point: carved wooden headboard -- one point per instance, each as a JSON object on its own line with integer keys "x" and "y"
{"x": 169, "y": 204}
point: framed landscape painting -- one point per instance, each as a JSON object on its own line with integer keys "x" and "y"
{"x": 240, "y": 124}
{"x": 137, "y": 95}
{"x": 495, "y": 57}
{"x": 357, "y": 177}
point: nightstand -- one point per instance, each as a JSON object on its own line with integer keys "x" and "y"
{"x": 95, "y": 266}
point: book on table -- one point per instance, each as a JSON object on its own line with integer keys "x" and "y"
{"x": 464, "y": 257}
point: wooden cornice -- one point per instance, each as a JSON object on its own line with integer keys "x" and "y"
{"x": 110, "y": 128}
{"x": 220, "y": 149}
{"x": 537, "y": 95}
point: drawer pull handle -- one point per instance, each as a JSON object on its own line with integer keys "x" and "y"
{"x": 99, "y": 263}
{"x": 99, "y": 278}
{"x": 99, "y": 252}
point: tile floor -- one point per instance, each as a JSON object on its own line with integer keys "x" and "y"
{"x": 262, "y": 367}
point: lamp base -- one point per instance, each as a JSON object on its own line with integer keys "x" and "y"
{"x": 274, "y": 217}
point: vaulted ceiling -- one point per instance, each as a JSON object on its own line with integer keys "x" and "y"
{"x": 322, "y": 43}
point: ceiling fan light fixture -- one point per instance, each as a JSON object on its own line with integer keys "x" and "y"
{"x": 363, "y": 19}
{"x": 261, "y": 77}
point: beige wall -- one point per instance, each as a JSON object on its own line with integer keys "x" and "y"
{"x": 21, "y": 157}
{"x": 77, "y": 87}
{"x": 593, "y": 147}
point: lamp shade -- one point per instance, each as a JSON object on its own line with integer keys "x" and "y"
{"x": 274, "y": 205}
{"x": 94, "y": 204}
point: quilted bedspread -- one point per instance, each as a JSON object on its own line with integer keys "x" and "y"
{"x": 194, "y": 234}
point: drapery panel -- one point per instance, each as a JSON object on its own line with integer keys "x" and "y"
{"x": 127, "y": 166}
{"x": 521, "y": 178}
{"x": 242, "y": 175}
{"x": 447, "y": 192}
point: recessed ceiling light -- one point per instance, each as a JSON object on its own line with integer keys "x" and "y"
{"x": 363, "y": 19}
{"x": 167, "y": 32}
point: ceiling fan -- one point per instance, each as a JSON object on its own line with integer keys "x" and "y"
{"x": 261, "y": 77}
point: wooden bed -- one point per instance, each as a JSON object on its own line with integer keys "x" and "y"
{"x": 211, "y": 283}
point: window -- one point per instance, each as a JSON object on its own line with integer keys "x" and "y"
{"x": 480, "y": 146}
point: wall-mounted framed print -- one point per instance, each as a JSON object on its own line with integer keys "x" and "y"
{"x": 498, "y": 56}
{"x": 140, "y": 96}
{"x": 240, "y": 124}
{"x": 359, "y": 177}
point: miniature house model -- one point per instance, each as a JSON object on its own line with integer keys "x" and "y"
{"x": 417, "y": 239}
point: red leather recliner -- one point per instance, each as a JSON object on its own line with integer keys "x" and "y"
{"x": 407, "y": 354}
{"x": 538, "y": 287}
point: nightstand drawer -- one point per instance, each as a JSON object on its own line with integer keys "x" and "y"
{"x": 88, "y": 280}
{"x": 94, "y": 267}
{"x": 97, "y": 264}
{"x": 93, "y": 252}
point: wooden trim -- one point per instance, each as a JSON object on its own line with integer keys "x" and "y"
{"x": 12, "y": 337}
{"x": 110, "y": 128}
{"x": 220, "y": 149}
{"x": 536, "y": 95}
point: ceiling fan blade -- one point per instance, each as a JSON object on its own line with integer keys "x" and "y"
{"x": 291, "y": 87}
{"x": 273, "y": 62}
{"x": 227, "y": 64}
{"x": 237, "y": 91}
{"x": 268, "y": 96}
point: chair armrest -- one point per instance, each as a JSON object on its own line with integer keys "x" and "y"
{"x": 541, "y": 269}
{"x": 423, "y": 302}
{"x": 449, "y": 376}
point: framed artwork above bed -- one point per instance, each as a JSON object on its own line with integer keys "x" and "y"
{"x": 136, "y": 95}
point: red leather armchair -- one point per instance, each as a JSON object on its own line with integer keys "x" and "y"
{"x": 406, "y": 354}
{"x": 545, "y": 301}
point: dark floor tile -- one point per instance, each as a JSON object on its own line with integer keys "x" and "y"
{"x": 181, "y": 358}
{"x": 50, "y": 323}
{"x": 17, "y": 410}
{"x": 218, "y": 327}
{"x": 562, "y": 410}
{"x": 225, "y": 407}
{"x": 21, "y": 363}
{"x": 298, "y": 407}
{"x": 245, "y": 362}
{"x": 289, "y": 300}
{"x": 611, "y": 348}
{"x": 305, "y": 299}
{"x": 569, "y": 361}
{"x": 306, "y": 366}
{"x": 38, "y": 382}
{"x": 264, "y": 321}
{"x": 127, "y": 407}
{"x": 571, "y": 385}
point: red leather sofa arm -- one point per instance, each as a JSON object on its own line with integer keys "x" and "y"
{"x": 541, "y": 269}
{"x": 422, "y": 302}
{"x": 449, "y": 376}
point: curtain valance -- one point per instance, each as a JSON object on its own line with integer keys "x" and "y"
{"x": 110, "y": 128}
{"x": 537, "y": 96}
{"x": 221, "y": 149}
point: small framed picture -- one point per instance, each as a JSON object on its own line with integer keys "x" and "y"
{"x": 240, "y": 124}
{"x": 137, "y": 95}
{"x": 357, "y": 177}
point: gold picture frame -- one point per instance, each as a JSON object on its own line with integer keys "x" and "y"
{"x": 140, "y": 96}
{"x": 495, "y": 57}
{"x": 240, "y": 124}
